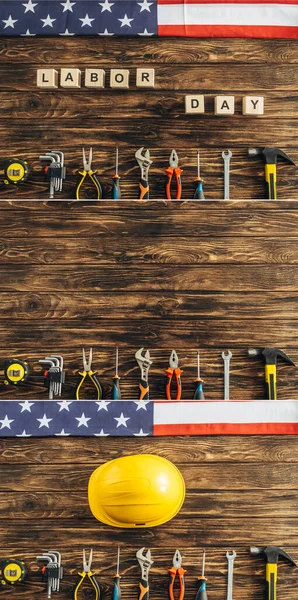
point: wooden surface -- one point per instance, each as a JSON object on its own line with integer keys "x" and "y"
{"x": 162, "y": 275}
{"x": 68, "y": 119}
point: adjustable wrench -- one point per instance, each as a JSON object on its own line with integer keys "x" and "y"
{"x": 144, "y": 363}
{"x": 145, "y": 563}
{"x": 230, "y": 557}
{"x": 226, "y": 358}
{"x": 226, "y": 158}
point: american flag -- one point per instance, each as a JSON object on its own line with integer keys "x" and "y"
{"x": 141, "y": 418}
{"x": 192, "y": 18}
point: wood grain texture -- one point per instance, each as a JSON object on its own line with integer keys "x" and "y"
{"x": 164, "y": 275}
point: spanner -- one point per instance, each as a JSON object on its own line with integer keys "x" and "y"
{"x": 226, "y": 158}
{"x": 230, "y": 557}
{"x": 226, "y": 358}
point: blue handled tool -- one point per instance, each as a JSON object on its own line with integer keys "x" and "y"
{"x": 116, "y": 191}
{"x": 116, "y": 595}
{"x": 202, "y": 592}
{"x": 199, "y": 192}
{"x": 116, "y": 382}
{"x": 199, "y": 393}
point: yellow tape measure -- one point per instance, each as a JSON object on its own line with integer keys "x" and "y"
{"x": 15, "y": 171}
{"x": 13, "y": 570}
{"x": 15, "y": 371}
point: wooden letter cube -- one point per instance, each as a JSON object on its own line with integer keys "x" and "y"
{"x": 224, "y": 105}
{"x": 194, "y": 105}
{"x": 145, "y": 78}
{"x": 119, "y": 78}
{"x": 95, "y": 78}
{"x": 47, "y": 78}
{"x": 253, "y": 105}
{"x": 70, "y": 78}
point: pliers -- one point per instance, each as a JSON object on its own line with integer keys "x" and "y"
{"x": 174, "y": 169}
{"x": 144, "y": 163}
{"x": 177, "y": 568}
{"x": 87, "y": 573}
{"x": 87, "y": 170}
{"x": 173, "y": 369}
{"x": 91, "y": 374}
{"x": 144, "y": 363}
{"x": 145, "y": 563}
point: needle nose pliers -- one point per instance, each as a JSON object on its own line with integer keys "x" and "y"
{"x": 87, "y": 170}
{"x": 87, "y": 573}
{"x": 177, "y": 569}
{"x": 173, "y": 369}
{"x": 91, "y": 374}
{"x": 173, "y": 169}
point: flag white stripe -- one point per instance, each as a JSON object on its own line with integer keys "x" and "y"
{"x": 267, "y": 411}
{"x": 280, "y": 15}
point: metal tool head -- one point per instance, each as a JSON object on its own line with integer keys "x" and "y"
{"x": 173, "y": 362}
{"x": 173, "y": 161}
{"x": 87, "y": 563}
{"x": 143, "y": 159}
{"x": 270, "y": 355}
{"x": 271, "y": 554}
{"x": 231, "y": 555}
{"x": 226, "y": 355}
{"x": 145, "y": 562}
{"x": 87, "y": 163}
{"x": 177, "y": 560}
{"x": 87, "y": 363}
{"x": 227, "y": 155}
{"x": 143, "y": 361}
{"x": 270, "y": 155}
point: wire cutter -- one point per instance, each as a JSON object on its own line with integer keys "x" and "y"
{"x": 144, "y": 163}
{"x": 173, "y": 369}
{"x": 177, "y": 568}
{"x": 91, "y": 374}
{"x": 87, "y": 170}
{"x": 170, "y": 171}
{"x": 87, "y": 573}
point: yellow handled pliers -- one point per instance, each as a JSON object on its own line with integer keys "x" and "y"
{"x": 87, "y": 170}
{"x": 87, "y": 573}
{"x": 91, "y": 374}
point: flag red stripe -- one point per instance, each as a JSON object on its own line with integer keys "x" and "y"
{"x": 232, "y": 31}
{"x": 227, "y": 429}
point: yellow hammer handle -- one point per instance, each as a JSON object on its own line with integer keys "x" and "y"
{"x": 270, "y": 177}
{"x": 271, "y": 579}
{"x": 270, "y": 378}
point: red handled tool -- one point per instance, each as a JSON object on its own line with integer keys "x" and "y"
{"x": 173, "y": 369}
{"x": 173, "y": 169}
{"x": 177, "y": 569}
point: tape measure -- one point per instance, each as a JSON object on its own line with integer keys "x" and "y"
{"x": 16, "y": 171}
{"x": 13, "y": 571}
{"x": 15, "y": 371}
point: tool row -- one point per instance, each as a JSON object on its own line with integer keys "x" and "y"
{"x": 17, "y": 371}
{"x": 14, "y": 571}
{"x": 16, "y": 171}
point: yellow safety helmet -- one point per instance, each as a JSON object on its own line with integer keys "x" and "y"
{"x": 142, "y": 490}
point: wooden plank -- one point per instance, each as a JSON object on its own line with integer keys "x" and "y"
{"x": 103, "y": 251}
{"x": 159, "y": 305}
{"x": 42, "y": 51}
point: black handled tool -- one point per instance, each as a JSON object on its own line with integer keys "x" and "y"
{"x": 199, "y": 393}
{"x": 271, "y": 554}
{"x": 116, "y": 382}
{"x": 116, "y": 191}
{"x": 116, "y": 595}
{"x": 198, "y": 181}
{"x": 202, "y": 592}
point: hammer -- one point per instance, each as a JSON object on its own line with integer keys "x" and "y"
{"x": 270, "y": 156}
{"x": 270, "y": 356}
{"x": 271, "y": 554}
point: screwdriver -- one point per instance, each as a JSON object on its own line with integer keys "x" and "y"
{"x": 199, "y": 393}
{"x": 116, "y": 588}
{"x": 202, "y": 592}
{"x": 116, "y": 382}
{"x": 116, "y": 192}
{"x": 199, "y": 192}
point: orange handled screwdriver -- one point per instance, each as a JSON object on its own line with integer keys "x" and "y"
{"x": 202, "y": 592}
{"x": 177, "y": 569}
